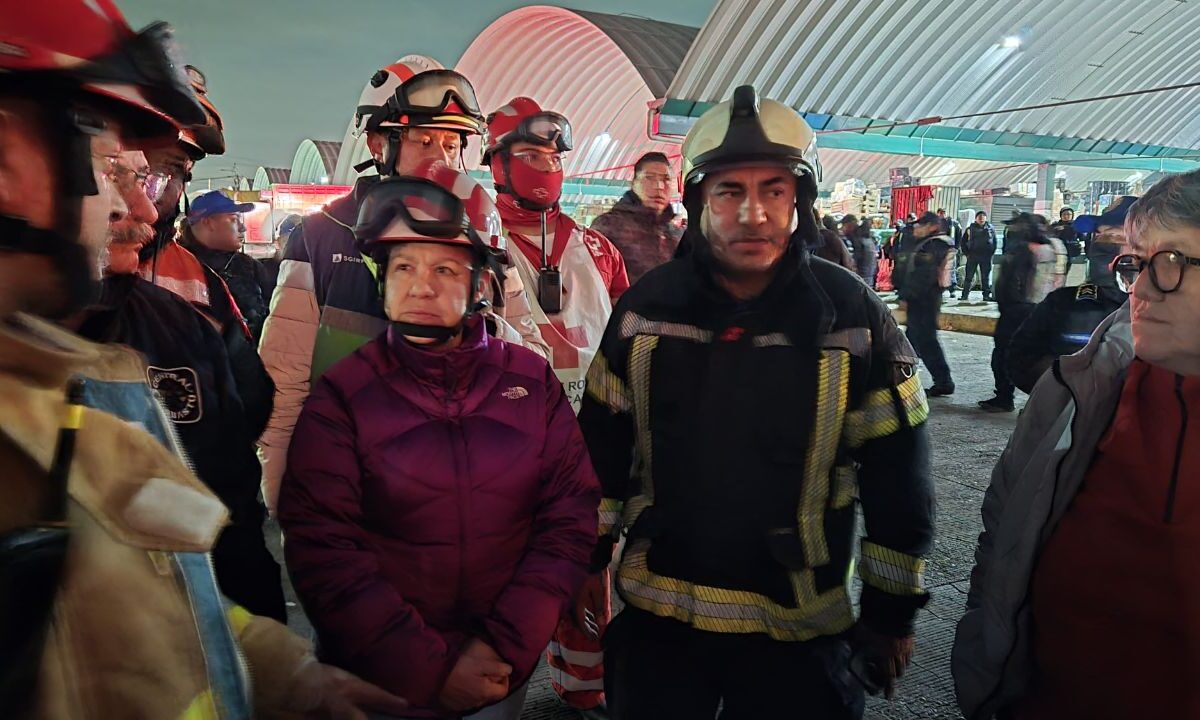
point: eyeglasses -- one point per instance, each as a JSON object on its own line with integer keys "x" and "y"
{"x": 1166, "y": 270}
{"x": 546, "y": 162}
{"x": 153, "y": 183}
{"x": 656, "y": 179}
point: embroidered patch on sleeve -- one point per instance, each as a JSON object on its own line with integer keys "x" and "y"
{"x": 178, "y": 389}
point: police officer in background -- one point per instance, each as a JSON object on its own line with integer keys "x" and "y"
{"x": 1063, "y": 323}
{"x": 1066, "y": 231}
{"x": 745, "y": 396}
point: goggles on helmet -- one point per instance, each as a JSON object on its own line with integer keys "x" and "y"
{"x": 547, "y": 128}
{"x": 432, "y": 92}
{"x": 429, "y": 211}
{"x": 150, "y": 61}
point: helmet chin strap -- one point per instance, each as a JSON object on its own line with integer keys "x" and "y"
{"x": 62, "y": 245}
{"x": 438, "y": 333}
{"x": 441, "y": 334}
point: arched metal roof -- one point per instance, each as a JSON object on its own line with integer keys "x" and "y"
{"x": 265, "y": 177}
{"x": 908, "y": 59}
{"x": 315, "y": 159}
{"x": 654, "y": 47}
{"x": 595, "y": 69}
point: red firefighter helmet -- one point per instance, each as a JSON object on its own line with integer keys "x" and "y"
{"x": 207, "y": 138}
{"x": 523, "y": 119}
{"x": 88, "y": 46}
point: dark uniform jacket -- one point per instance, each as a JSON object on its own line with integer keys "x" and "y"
{"x": 923, "y": 269}
{"x": 249, "y": 281}
{"x": 979, "y": 241}
{"x": 645, "y": 238}
{"x": 1060, "y": 325}
{"x": 218, "y": 396}
{"x": 190, "y": 371}
{"x": 732, "y": 439}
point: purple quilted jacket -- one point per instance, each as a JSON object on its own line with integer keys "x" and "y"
{"x": 431, "y": 498}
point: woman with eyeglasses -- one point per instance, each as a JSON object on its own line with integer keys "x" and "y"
{"x": 439, "y": 506}
{"x": 1085, "y": 597}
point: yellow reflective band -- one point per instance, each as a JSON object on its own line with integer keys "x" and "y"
{"x": 721, "y": 610}
{"x": 73, "y": 418}
{"x": 372, "y": 266}
{"x": 876, "y": 417}
{"x": 640, "y": 351}
{"x": 891, "y": 571}
{"x": 202, "y": 708}
{"x": 239, "y": 617}
{"x": 845, "y": 486}
{"x": 610, "y": 514}
{"x": 833, "y": 375}
{"x": 606, "y": 388}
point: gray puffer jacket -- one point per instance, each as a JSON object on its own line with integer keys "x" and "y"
{"x": 1038, "y": 475}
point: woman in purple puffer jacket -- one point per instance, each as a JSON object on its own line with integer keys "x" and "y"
{"x": 439, "y": 505}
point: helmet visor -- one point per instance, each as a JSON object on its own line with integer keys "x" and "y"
{"x": 428, "y": 210}
{"x": 433, "y": 91}
{"x": 150, "y": 61}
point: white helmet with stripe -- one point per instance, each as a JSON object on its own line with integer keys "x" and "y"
{"x": 371, "y": 111}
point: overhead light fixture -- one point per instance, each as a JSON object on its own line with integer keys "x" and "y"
{"x": 1012, "y": 42}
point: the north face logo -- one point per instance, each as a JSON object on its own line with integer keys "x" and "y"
{"x": 178, "y": 389}
{"x": 515, "y": 393}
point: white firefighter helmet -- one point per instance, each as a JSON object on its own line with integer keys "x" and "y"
{"x": 370, "y": 111}
{"x": 748, "y": 130}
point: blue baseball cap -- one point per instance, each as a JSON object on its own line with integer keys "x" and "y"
{"x": 215, "y": 203}
{"x": 1113, "y": 215}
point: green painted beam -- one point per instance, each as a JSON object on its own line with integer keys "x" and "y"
{"x": 892, "y": 144}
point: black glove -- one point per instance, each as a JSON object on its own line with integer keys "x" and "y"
{"x": 878, "y": 661}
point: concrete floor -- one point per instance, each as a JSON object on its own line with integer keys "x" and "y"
{"x": 966, "y": 444}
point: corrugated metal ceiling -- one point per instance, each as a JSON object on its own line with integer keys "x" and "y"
{"x": 873, "y": 168}
{"x": 906, "y": 59}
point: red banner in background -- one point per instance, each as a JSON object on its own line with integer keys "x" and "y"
{"x": 302, "y": 199}
{"x": 914, "y": 199}
{"x": 259, "y": 228}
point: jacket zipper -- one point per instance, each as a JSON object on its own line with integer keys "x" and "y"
{"x": 1183, "y": 425}
{"x": 459, "y": 480}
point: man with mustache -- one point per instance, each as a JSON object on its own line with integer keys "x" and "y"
{"x": 192, "y": 375}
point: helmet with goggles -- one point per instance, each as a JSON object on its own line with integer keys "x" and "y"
{"x": 441, "y": 99}
{"x": 434, "y": 204}
{"x": 372, "y": 103}
{"x": 434, "y": 99}
{"x": 522, "y": 119}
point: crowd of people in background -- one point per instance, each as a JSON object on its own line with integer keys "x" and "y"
{"x": 474, "y": 419}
